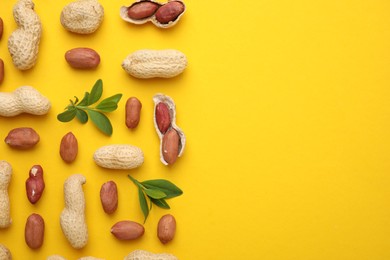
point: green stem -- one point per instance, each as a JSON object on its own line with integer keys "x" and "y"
{"x": 137, "y": 183}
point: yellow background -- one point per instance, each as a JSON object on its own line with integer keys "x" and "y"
{"x": 285, "y": 105}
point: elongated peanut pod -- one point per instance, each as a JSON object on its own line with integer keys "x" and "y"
{"x": 5, "y": 179}
{"x": 25, "y": 99}
{"x": 146, "y": 64}
{"x": 55, "y": 257}
{"x": 23, "y": 44}
{"x": 146, "y": 255}
{"x": 5, "y": 254}
{"x": 72, "y": 218}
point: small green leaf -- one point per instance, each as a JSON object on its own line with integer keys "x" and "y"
{"x": 82, "y": 116}
{"x": 170, "y": 189}
{"x": 68, "y": 115}
{"x": 84, "y": 101}
{"x": 101, "y": 121}
{"x": 107, "y": 106}
{"x": 160, "y": 203}
{"x": 115, "y": 98}
{"x": 143, "y": 203}
{"x": 96, "y": 92}
{"x": 155, "y": 194}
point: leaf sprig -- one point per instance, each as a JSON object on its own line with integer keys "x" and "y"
{"x": 82, "y": 108}
{"x": 157, "y": 191}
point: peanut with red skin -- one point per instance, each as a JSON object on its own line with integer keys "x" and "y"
{"x": 35, "y": 184}
{"x": 133, "y": 112}
{"x": 82, "y": 58}
{"x": 169, "y": 12}
{"x": 1, "y": 27}
{"x": 1, "y": 71}
{"x": 142, "y": 10}
{"x": 69, "y": 147}
{"x": 163, "y": 117}
{"x": 127, "y": 230}
{"x": 34, "y": 231}
{"x": 166, "y": 228}
{"x": 22, "y": 138}
{"x": 170, "y": 146}
{"x": 109, "y": 197}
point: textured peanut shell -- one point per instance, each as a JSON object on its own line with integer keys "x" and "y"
{"x": 72, "y": 219}
{"x": 58, "y": 257}
{"x": 123, "y": 14}
{"x": 172, "y": 109}
{"x": 25, "y": 99}
{"x": 119, "y": 156}
{"x": 82, "y": 16}
{"x": 146, "y": 255}
{"x": 5, "y": 179}
{"x": 146, "y": 64}
{"x": 23, "y": 44}
{"x": 5, "y": 254}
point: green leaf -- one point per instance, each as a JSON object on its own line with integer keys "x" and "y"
{"x": 170, "y": 189}
{"x": 84, "y": 101}
{"x": 155, "y": 194}
{"x": 115, "y": 98}
{"x": 160, "y": 203}
{"x": 107, "y": 106}
{"x": 143, "y": 203}
{"x": 96, "y": 92}
{"x": 101, "y": 121}
{"x": 82, "y": 116}
{"x": 68, "y": 115}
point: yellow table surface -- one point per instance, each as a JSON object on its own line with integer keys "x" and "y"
{"x": 285, "y": 105}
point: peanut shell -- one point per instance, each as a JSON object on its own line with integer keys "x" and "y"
{"x": 158, "y": 98}
{"x": 119, "y": 156}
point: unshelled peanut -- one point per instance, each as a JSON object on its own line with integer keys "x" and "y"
{"x": 25, "y": 99}
{"x": 23, "y": 44}
{"x": 5, "y": 179}
{"x": 119, "y": 156}
{"x": 146, "y": 255}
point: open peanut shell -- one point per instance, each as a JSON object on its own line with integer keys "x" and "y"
{"x": 161, "y": 98}
{"x": 151, "y": 17}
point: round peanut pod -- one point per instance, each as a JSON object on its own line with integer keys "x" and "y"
{"x": 72, "y": 219}
{"x": 5, "y": 179}
{"x": 146, "y": 255}
{"x": 119, "y": 156}
{"x": 5, "y": 254}
{"x": 23, "y": 44}
{"x": 145, "y": 64}
{"x": 82, "y": 16}
{"x": 25, "y": 99}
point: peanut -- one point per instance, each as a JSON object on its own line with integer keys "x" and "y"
{"x": 69, "y": 147}
{"x": 127, "y": 230}
{"x": 22, "y": 138}
{"x": 142, "y": 10}
{"x": 23, "y": 44}
{"x": 169, "y": 12}
{"x": 35, "y": 184}
{"x": 119, "y": 156}
{"x": 55, "y": 257}
{"x": 5, "y": 254}
{"x": 72, "y": 219}
{"x": 166, "y": 228}
{"x": 5, "y": 179}
{"x": 1, "y": 27}
{"x": 172, "y": 142}
{"x": 161, "y": 15}
{"x": 1, "y": 71}
{"x": 146, "y": 255}
{"x": 162, "y": 117}
{"x": 146, "y": 64}
{"x": 82, "y": 16}
{"x": 109, "y": 197}
{"x": 24, "y": 99}
{"x": 58, "y": 257}
{"x": 133, "y": 112}
{"x": 34, "y": 231}
{"x": 170, "y": 146}
{"x": 82, "y": 58}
